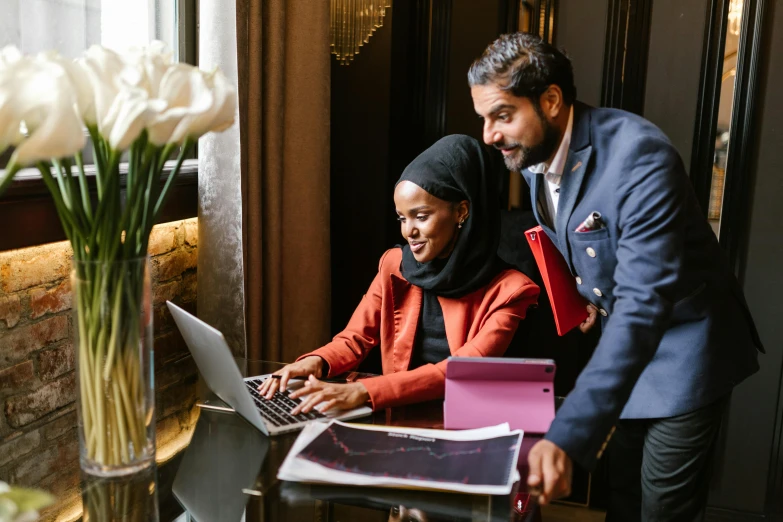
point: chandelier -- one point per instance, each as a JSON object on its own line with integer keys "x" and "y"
{"x": 352, "y": 24}
{"x": 735, "y": 16}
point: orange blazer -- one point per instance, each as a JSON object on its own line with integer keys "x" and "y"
{"x": 479, "y": 324}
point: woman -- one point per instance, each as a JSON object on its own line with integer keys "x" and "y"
{"x": 445, "y": 293}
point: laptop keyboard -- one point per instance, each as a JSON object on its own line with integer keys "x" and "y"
{"x": 277, "y": 410}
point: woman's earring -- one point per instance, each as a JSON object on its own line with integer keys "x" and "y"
{"x": 459, "y": 225}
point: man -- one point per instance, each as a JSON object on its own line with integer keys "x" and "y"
{"x": 611, "y": 191}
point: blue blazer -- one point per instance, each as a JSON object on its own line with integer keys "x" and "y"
{"x": 676, "y": 330}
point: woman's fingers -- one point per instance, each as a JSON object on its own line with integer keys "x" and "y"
{"x": 284, "y": 378}
{"x": 272, "y": 388}
{"x": 328, "y": 405}
{"x": 309, "y": 403}
{"x": 264, "y": 388}
{"x": 311, "y": 385}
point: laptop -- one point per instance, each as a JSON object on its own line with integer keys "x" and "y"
{"x": 485, "y": 391}
{"x": 216, "y": 364}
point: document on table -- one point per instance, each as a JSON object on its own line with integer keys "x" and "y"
{"x": 479, "y": 461}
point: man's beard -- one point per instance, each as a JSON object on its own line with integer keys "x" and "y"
{"x": 524, "y": 157}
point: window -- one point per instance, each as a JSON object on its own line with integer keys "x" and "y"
{"x": 70, "y": 27}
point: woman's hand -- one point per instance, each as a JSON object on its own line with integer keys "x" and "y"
{"x": 308, "y": 366}
{"x": 588, "y": 323}
{"x": 340, "y": 396}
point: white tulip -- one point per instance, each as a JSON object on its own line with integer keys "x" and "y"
{"x": 103, "y": 69}
{"x": 186, "y": 96}
{"x": 38, "y": 111}
{"x": 122, "y": 103}
{"x": 217, "y": 117}
{"x": 8, "y": 56}
{"x": 9, "y": 117}
{"x": 82, "y": 88}
{"x": 152, "y": 62}
{"x": 226, "y": 102}
{"x": 131, "y": 111}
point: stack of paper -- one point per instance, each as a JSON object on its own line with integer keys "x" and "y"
{"x": 480, "y": 461}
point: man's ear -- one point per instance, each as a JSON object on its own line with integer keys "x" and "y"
{"x": 551, "y": 101}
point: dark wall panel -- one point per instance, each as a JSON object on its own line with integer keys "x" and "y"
{"x": 674, "y": 65}
{"x": 581, "y": 31}
{"x": 474, "y": 25}
{"x": 751, "y": 419}
{"x": 361, "y": 203}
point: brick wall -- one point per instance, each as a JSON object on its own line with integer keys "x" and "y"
{"x": 38, "y": 442}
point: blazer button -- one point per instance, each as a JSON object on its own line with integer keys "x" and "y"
{"x": 603, "y": 312}
{"x": 590, "y": 252}
{"x": 578, "y": 280}
{"x": 597, "y": 292}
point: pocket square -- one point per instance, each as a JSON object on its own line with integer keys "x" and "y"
{"x": 591, "y": 222}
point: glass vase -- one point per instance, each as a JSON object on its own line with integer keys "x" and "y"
{"x": 114, "y": 366}
{"x": 132, "y": 498}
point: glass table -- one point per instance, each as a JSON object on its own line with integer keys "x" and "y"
{"x": 227, "y": 472}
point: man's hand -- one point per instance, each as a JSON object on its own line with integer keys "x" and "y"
{"x": 588, "y": 323}
{"x": 339, "y": 396}
{"x": 550, "y": 472}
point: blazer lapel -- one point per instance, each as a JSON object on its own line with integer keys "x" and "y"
{"x": 573, "y": 176}
{"x": 406, "y": 302}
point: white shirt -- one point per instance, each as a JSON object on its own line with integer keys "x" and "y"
{"x": 553, "y": 173}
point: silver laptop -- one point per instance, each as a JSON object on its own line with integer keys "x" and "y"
{"x": 216, "y": 364}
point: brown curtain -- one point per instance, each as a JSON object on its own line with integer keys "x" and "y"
{"x": 283, "y": 61}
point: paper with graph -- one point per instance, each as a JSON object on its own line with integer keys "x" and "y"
{"x": 480, "y": 461}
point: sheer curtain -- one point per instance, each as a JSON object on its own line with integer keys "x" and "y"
{"x": 221, "y": 296}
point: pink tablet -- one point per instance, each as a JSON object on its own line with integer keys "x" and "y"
{"x": 486, "y": 391}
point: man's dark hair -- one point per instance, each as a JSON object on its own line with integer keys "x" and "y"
{"x": 525, "y": 65}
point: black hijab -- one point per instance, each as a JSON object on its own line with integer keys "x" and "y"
{"x": 458, "y": 168}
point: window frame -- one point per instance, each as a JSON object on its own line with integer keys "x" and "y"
{"x": 30, "y": 218}
{"x": 738, "y": 177}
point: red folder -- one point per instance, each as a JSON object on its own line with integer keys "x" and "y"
{"x": 569, "y": 308}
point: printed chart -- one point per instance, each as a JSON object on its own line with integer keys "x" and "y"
{"x": 408, "y": 456}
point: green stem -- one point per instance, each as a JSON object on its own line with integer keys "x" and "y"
{"x": 116, "y": 321}
{"x": 10, "y": 171}
{"x": 100, "y": 158}
{"x": 65, "y": 189}
{"x": 189, "y": 142}
{"x": 83, "y": 189}
{"x": 121, "y": 428}
{"x": 64, "y": 166}
{"x": 66, "y": 218}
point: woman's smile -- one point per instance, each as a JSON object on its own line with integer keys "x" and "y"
{"x": 416, "y": 246}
